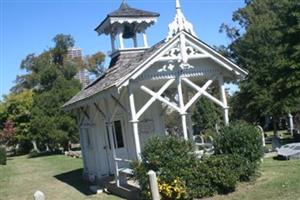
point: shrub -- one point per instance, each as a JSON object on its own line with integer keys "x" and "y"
{"x": 2, "y": 156}
{"x": 243, "y": 142}
{"x": 181, "y": 175}
{"x": 213, "y": 174}
{"x": 171, "y": 158}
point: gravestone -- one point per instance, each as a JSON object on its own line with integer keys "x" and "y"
{"x": 275, "y": 142}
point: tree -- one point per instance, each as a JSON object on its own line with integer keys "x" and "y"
{"x": 270, "y": 50}
{"x": 206, "y": 115}
{"x": 95, "y": 63}
{"x": 6, "y": 136}
{"x": 49, "y": 82}
{"x": 16, "y": 114}
{"x": 55, "y": 84}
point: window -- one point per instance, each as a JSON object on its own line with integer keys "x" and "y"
{"x": 118, "y": 134}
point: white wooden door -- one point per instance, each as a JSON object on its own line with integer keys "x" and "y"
{"x": 119, "y": 142}
{"x": 101, "y": 152}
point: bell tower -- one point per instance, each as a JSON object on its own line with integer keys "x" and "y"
{"x": 126, "y": 27}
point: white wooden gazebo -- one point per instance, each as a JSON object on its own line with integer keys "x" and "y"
{"x": 120, "y": 110}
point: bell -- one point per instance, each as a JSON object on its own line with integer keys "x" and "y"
{"x": 128, "y": 32}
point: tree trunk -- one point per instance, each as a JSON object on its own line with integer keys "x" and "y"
{"x": 35, "y": 146}
{"x": 275, "y": 139}
{"x": 275, "y": 129}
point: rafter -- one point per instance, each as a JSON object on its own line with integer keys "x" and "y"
{"x": 99, "y": 110}
{"x": 117, "y": 101}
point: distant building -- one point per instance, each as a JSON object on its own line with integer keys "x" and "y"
{"x": 83, "y": 74}
{"x": 74, "y": 52}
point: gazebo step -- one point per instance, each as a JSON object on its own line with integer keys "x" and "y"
{"x": 126, "y": 171}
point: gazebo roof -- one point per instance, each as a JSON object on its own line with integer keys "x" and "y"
{"x": 128, "y": 14}
{"x": 126, "y": 11}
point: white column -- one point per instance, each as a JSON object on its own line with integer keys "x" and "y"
{"x": 112, "y": 40}
{"x": 182, "y": 111}
{"x": 145, "y": 40}
{"x": 189, "y": 115}
{"x": 113, "y": 150}
{"x": 291, "y": 123}
{"x": 134, "y": 121}
{"x": 224, "y": 99}
{"x": 121, "y": 40}
{"x": 135, "y": 41}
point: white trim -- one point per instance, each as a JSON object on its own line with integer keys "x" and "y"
{"x": 152, "y": 99}
{"x": 197, "y": 95}
{"x": 224, "y": 99}
{"x": 160, "y": 98}
{"x": 211, "y": 51}
{"x": 190, "y": 57}
{"x": 134, "y": 123}
{"x": 182, "y": 111}
{"x": 226, "y": 63}
{"x": 147, "y": 63}
{"x": 199, "y": 89}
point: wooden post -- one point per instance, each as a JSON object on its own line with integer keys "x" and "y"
{"x": 182, "y": 109}
{"x": 112, "y": 40}
{"x": 153, "y": 185}
{"x": 121, "y": 41}
{"x": 135, "y": 43}
{"x": 145, "y": 40}
{"x": 134, "y": 121}
{"x": 113, "y": 150}
{"x": 224, "y": 99}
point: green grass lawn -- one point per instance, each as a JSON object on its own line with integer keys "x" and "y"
{"x": 279, "y": 180}
{"x": 59, "y": 177}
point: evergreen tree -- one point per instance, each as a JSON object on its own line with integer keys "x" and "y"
{"x": 206, "y": 115}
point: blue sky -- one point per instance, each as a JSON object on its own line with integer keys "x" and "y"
{"x": 28, "y": 26}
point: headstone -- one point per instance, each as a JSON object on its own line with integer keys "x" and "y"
{"x": 291, "y": 123}
{"x": 38, "y": 195}
{"x": 262, "y": 135}
{"x": 275, "y": 142}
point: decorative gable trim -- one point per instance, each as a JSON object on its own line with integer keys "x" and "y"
{"x": 193, "y": 49}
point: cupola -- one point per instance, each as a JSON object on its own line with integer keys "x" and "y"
{"x": 126, "y": 24}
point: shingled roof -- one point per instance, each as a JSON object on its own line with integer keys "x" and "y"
{"x": 126, "y": 11}
{"x": 120, "y": 66}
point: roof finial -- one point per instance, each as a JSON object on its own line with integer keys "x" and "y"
{"x": 178, "y": 4}
{"x": 180, "y": 23}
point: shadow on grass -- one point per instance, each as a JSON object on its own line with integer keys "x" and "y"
{"x": 43, "y": 154}
{"x": 74, "y": 179}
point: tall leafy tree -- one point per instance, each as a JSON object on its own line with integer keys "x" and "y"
{"x": 54, "y": 81}
{"x": 15, "y": 116}
{"x": 266, "y": 42}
